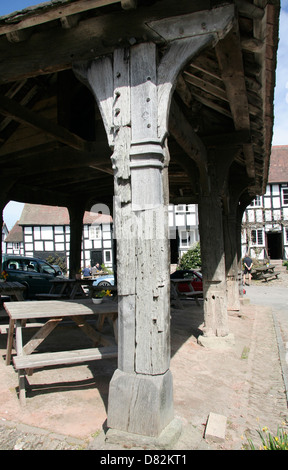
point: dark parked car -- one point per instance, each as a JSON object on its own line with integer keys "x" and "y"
{"x": 34, "y": 273}
{"x": 190, "y": 274}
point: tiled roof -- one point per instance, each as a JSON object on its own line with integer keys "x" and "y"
{"x": 36, "y": 214}
{"x": 15, "y": 235}
{"x": 278, "y": 171}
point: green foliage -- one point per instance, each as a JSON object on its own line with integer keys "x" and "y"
{"x": 106, "y": 270}
{"x": 101, "y": 294}
{"x": 191, "y": 259}
{"x": 58, "y": 261}
{"x": 285, "y": 263}
{"x": 269, "y": 441}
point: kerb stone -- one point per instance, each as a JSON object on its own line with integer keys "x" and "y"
{"x": 215, "y": 428}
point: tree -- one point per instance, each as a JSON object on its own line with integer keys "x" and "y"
{"x": 192, "y": 258}
{"x": 59, "y": 261}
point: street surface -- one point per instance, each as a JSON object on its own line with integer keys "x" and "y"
{"x": 274, "y": 294}
{"x": 277, "y": 299}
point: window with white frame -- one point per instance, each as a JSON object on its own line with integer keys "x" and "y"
{"x": 95, "y": 232}
{"x": 180, "y": 215}
{"x": 47, "y": 233}
{"x": 257, "y": 202}
{"x": 107, "y": 256}
{"x": 257, "y": 238}
{"x": 185, "y": 238}
{"x": 285, "y": 196}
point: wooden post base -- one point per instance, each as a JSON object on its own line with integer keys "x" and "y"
{"x": 140, "y": 404}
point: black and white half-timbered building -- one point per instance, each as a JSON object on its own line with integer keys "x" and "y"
{"x": 4, "y": 234}
{"x": 138, "y": 105}
{"x": 44, "y": 231}
{"x": 265, "y": 221}
{"x": 46, "y": 234}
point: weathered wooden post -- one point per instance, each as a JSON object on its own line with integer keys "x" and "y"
{"x": 232, "y": 234}
{"x": 141, "y": 391}
{"x": 217, "y": 226}
{"x": 76, "y": 214}
{"x": 133, "y": 89}
{"x": 232, "y": 222}
{"x": 213, "y": 266}
{"x": 231, "y": 260}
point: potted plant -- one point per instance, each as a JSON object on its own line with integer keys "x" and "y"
{"x": 3, "y": 276}
{"x": 97, "y": 296}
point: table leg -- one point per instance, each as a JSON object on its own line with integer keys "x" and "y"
{"x": 41, "y": 334}
{"x": 77, "y": 289}
{"x": 19, "y": 296}
{"x": 175, "y": 296}
{"x": 9, "y": 341}
{"x": 21, "y": 372}
{"x": 115, "y": 327}
{"x": 90, "y": 332}
{"x": 100, "y": 322}
{"x": 73, "y": 292}
{"x": 22, "y": 383}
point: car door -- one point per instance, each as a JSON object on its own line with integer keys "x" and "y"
{"x": 197, "y": 282}
{"x": 41, "y": 277}
{"x": 36, "y": 275}
{"x": 17, "y": 270}
{"x": 31, "y": 275}
{"x": 47, "y": 273}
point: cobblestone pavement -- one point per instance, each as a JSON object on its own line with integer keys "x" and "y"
{"x": 15, "y": 436}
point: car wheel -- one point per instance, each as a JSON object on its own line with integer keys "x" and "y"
{"x": 104, "y": 284}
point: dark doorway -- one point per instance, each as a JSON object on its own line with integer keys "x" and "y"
{"x": 274, "y": 244}
{"x": 96, "y": 257}
{"x": 174, "y": 248}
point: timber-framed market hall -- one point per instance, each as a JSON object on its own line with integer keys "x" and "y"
{"x": 135, "y": 105}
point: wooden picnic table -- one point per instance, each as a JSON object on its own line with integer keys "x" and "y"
{"x": 177, "y": 295}
{"x": 264, "y": 272}
{"x": 67, "y": 288}
{"x": 15, "y": 290}
{"x": 52, "y": 312}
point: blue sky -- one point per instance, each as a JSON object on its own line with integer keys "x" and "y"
{"x": 13, "y": 210}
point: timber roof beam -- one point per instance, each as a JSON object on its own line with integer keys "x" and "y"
{"x": 22, "y": 114}
{"x": 229, "y": 54}
{"x": 223, "y": 97}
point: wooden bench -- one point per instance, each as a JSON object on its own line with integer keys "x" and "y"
{"x": 195, "y": 295}
{"x": 26, "y": 364}
{"x": 50, "y": 296}
{"x": 53, "y": 312}
{"x": 267, "y": 277}
{"x": 39, "y": 361}
{"x": 4, "y": 329}
{"x": 15, "y": 290}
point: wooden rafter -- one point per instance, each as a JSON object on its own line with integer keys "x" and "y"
{"x": 21, "y": 114}
{"x": 221, "y": 94}
{"x": 205, "y": 86}
{"x": 230, "y": 60}
{"x": 34, "y": 17}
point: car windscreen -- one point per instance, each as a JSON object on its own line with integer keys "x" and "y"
{"x": 46, "y": 268}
